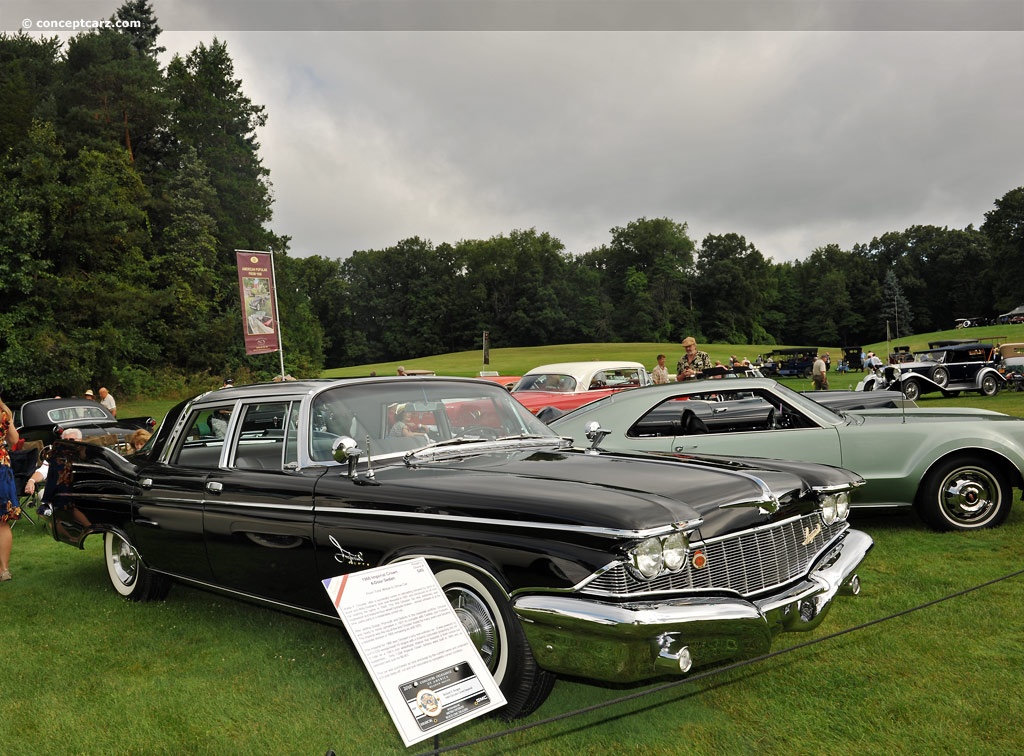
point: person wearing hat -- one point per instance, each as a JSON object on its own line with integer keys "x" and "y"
{"x": 89, "y": 395}
{"x": 819, "y": 373}
{"x": 693, "y": 362}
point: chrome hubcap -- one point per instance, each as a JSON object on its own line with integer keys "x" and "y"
{"x": 476, "y": 618}
{"x": 125, "y": 562}
{"x": 969, "y": 495}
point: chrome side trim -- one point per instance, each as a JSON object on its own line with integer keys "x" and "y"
{"x": 531, "y": 524}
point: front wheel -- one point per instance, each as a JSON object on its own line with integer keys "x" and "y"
{"x": 129, "y": 576}
{"x": 989, "y": 386}
{"x": 911, "y": 390}
{"x": 964, "y": 493}
{"x": 488, "y": 618}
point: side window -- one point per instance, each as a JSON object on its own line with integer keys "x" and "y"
{"x": 204, "y": 438}
{"x": 261, "y": 433}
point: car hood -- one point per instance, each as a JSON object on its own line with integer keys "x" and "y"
{"x": 927, "y": 414}
{"x": 620, "y": 492}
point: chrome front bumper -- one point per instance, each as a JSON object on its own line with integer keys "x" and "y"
{"x": 570, "y": 634}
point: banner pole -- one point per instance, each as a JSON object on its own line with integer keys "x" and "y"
{"x": 277, "y": 314}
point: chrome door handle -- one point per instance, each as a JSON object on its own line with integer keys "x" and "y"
{"x": 214, "y": 486}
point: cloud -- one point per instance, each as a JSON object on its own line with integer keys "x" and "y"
{"x": 791, "y": 139}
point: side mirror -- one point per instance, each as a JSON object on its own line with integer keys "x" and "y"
{"x": 344, "y": 449}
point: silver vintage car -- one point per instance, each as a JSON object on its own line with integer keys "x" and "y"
{"x": 957, "y": 467}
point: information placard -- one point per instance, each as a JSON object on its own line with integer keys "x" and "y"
{"x": 422, "y": 661}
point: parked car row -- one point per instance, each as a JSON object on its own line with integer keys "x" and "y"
{"x": 641, "y": 531}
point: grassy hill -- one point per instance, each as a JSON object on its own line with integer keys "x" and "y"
{"x": 516, "y": 361}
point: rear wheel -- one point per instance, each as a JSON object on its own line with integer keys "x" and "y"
{"x": 989, "y": 386}
{"x": 912, "y": 390}
{"x": 129, "y": 576}
{"x": 495, "y": 631}
{"x": 964, "y": 493}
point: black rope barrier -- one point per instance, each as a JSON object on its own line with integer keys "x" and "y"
{"x": 709, "y": 673}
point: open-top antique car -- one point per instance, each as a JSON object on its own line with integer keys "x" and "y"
{"x": 957, "y": 467}
{"x": 614, "y": 567}
{"x": 946, "y": 369}
{"x": 566, "y": 385}
{"x": 46, "y": 419}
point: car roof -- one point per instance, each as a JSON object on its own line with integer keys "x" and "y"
{"x": 584, "y": 368}
{"x": 311, "y": 385}
{"x": 962, "y": 347}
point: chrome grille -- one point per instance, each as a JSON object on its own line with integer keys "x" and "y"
{"x": 746, "y": 563}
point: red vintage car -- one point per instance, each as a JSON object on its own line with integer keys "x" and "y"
{"x": 567, "y": 385}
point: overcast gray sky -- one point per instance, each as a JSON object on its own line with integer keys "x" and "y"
{"x": 794, "y": 124}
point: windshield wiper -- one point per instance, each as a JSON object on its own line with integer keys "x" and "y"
{"x": 456, "y": 441}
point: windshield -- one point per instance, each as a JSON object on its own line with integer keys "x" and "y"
{"x": 935, "y": 356}
{"x": 396, "y": 417}
{"x": 558, "y": 382}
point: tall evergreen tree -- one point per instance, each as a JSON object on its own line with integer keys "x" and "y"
{"x": 895, "y": 313}
{"x": 138, "y": 23}
{"x": 213, "y": 116}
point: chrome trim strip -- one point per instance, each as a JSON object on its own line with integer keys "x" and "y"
{"x": 610, "y": 532}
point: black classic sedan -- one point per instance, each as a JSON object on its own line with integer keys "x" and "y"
{"x": 558, "y": 560}
{"x": 46, "y": 419}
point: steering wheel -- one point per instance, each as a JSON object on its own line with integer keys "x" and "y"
{"x": 482, "y": 431}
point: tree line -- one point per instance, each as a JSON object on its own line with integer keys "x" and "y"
{"x": 127, "y": 186}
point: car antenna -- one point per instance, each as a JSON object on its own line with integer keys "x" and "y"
{"x": 369, "y": 459}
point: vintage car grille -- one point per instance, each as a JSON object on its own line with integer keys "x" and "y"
{"x": 747, "y": 562}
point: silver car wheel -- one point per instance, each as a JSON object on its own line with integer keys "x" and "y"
{"x": 965, "y": 494}
{"x": 122, "y": 563}
{"x": 497, "y": 634}
{"x": 129, "y": 574}
{"x": 911, "y": 390}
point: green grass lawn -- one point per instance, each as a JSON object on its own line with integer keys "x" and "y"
{"x": 88, "y": 673}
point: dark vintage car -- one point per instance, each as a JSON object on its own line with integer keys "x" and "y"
{"x": 559, "y": 560}
{"x": 798, "y": 361}
{"x": 948, "y": 370}
{"x": 46, "y": 419}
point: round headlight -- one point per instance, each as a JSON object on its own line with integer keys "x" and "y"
{"x": 674, "y": 551}
{"x": 648, "y": 558}
{"x": 843, "y": 505}
{"x": 828, "y": 509}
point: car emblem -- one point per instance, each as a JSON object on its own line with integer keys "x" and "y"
{"x": 699, "y": 561}
{"x": 810, "y": 535}
{"x": 347, "y": 556}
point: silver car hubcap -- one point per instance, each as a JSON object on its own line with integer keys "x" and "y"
{"x": 477, "y": 620}
{"x": 969, "y": 495}
{"x": 125, "y": 562}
